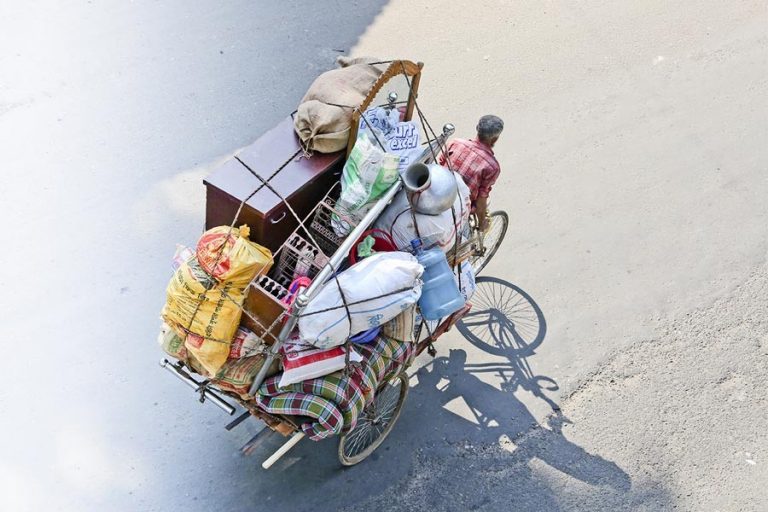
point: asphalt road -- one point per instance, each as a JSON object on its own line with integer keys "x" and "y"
{"x": 634, "y": 163}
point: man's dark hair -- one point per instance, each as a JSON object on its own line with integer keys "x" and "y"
{"x": 489, "y": 127}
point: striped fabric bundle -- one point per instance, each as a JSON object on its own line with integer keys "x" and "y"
{"x": 332, "y": 404}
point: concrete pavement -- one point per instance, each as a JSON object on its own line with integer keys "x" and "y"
{"x": 634, "y": 172}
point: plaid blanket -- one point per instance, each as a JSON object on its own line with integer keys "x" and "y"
{"x": 332, "y": 404}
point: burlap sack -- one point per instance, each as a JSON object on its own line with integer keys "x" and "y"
{"x": 324, "y": 115}
{"x": 321, "y": 127}
{"x": 402, "y": 326}
{"x": 237, "y": 375}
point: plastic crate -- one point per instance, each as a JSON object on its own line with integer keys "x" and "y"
{"x": 297, "y": 258}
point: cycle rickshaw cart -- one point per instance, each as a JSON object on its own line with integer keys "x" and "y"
{"x": 314, "y": 232}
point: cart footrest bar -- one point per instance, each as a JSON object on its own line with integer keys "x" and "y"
{"x": 235, "y": 422}
{"x": 187, "y": 379}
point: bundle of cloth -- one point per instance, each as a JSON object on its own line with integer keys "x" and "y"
{"x": 331, "y": 405}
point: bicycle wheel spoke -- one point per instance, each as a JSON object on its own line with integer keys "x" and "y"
{"x": 494, "y": 290}
{"x": 375, "y": 422}
{"x": 533, "y": 321}
{"x": 527, "y": 337}
{"x": 355, "y": 447}
{"x": 359, "y": 429}
{"x": 357, "y": 432}
{"x": 525, "y": 321}
{"x": 518, "y": 308}
{"x": 523, "y": 312}
{"x": 484, "y": 332}
{"x": 387, "y": 401}
{"x": 481, "y": 301}
{"x": 484, "y": 300}
{"x": 387, "y": 416}
{"x": 355, "y": 443}
{"x": 506, "y": 307}
{"x": 372, "y": 435}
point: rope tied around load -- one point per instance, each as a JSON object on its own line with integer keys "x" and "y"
{"x": 271, "y": 352}
{"x": 220, "y": 251}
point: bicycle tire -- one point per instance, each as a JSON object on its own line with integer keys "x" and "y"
{"x": 366, "y": 436}
{"x": 491, "y": 240}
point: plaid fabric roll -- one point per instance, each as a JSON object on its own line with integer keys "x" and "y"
{"x": 328, "y": 419}
{"x": 334, "y": 402}
{"x": 385, "y": 358}
{"x": 348, "y": 394}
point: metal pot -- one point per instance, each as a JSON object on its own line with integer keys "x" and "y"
{"x": 431, "y": 188}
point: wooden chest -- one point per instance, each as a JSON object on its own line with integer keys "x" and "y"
{"x": 303, "y": 183}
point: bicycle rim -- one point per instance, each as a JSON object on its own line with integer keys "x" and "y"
{"x": 491, "y": 240}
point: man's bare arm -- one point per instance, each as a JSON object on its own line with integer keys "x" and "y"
{"x": 481, "y": 210}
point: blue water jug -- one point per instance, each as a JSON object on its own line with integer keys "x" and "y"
{"x": 440, "y": 295}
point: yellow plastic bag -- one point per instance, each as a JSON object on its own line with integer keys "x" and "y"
{"x": 204, "y": 302}
{"x": 228, "y": 255}
{"x": 204, "y": 313}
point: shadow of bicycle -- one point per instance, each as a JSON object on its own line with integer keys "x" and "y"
{"x": 467, "y": 439}
{"x": 507, "y": 323}
{"x": 504, "y": 319}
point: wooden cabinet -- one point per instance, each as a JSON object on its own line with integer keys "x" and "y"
{"x": 303, "y": 183}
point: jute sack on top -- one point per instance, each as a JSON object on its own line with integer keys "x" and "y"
{"x": 324, "y": 116}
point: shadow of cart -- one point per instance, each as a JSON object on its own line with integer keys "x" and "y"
{"x": 465, "y": 439}
{"x": 476, "y": 409}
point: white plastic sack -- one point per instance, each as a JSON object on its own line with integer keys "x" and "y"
{"x": 464, "y": 275}
{"x": 435, "y": 230}
{"x": 303, "y": 362}
{"x": 244, "y": 344}
{"x": 182, "y": 255}
{"x": 368, "y": 173}
{"x": 380, "y": 275}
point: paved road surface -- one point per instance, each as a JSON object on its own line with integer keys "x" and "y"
{"x": 634, "y": 175}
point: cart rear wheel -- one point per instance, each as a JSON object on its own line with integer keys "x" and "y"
{"x": 375, "y": 423}
{"x": 490, "y": 240}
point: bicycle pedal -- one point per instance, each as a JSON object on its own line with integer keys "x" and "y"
{"x": 432, "y": 351}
